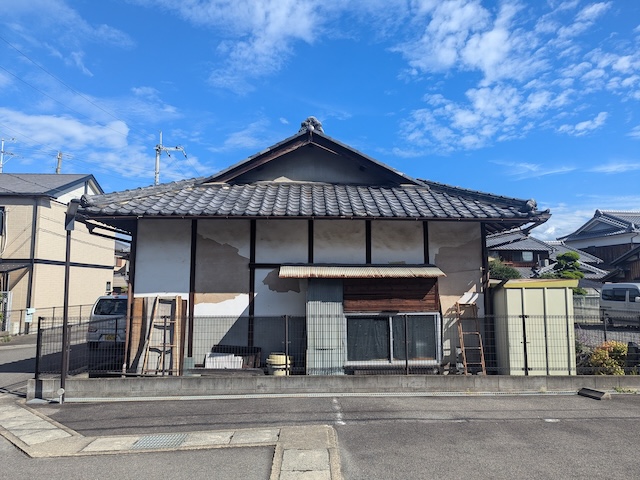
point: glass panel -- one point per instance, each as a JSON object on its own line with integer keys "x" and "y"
{"x": 367, "y": 338}
{"x": 422, "y": 337}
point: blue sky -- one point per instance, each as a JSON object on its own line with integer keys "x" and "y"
{"x": 530, "y": 99}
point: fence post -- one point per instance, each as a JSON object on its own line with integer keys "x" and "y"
{"x": 406, "y": 345}
{"x": 524, "y": 344}
{"x": 38, "y": 348}
{"x": 286, "y": 344}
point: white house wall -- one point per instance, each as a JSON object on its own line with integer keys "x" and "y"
{"x": 456, "y": 248}
{"x": 282, "y": 241}
{"x": 397, "y": 242}
{"x": 339, "y": 241}
{"x": 279, "y": 296}
{"x": 163, "y": 252}
{"x": 222, "y": 267}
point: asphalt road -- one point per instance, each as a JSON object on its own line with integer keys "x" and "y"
{"x": 499, "y": 437}
{"x": 17, "y": 364}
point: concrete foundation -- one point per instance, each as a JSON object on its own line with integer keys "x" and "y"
{"x": 175, "y": 387}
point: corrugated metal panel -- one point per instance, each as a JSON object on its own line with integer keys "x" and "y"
{"x": 357, "y": 271}
{"x": 325, "y": 328}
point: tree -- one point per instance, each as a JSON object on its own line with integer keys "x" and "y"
{"x": 500, "y": 271}
{"x": 567, "y": 266}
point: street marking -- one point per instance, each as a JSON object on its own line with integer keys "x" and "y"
{"x": 338, "y": 410}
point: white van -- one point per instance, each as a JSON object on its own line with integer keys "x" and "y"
{"x": 620, "y": 304}
{"x": 107, "y": 322}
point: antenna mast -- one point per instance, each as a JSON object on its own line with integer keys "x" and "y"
{"x": 3, "y": 153}
{"x": 159, "y": 149}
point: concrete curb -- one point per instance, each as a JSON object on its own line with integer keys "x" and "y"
{"x": 299, "y": 452}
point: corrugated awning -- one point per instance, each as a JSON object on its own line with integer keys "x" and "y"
{"x": 360, "y": 271}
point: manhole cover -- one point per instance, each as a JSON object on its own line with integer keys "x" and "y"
{"x": 160, "y": 441}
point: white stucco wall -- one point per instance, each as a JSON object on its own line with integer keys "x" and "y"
{"x": 282, "y": 241}
{"x": 456, "y": 248}
{"x": 339, "y": 241}
{"x": 397, "y": 242}
{"x": 222, "y": 268}
{"x": 163, "y": 258}
{"x": 279, "y": 296}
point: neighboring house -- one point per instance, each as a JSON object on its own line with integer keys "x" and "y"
{"x": 519, "y": 250}
{"x": 121, "y": 268}
{"x": 626, "y": 268}
{"x": 33, "y": 243}
{"x": 313, "y": 228}
{"x": 608, "y": 235}
{"x": 533, "y": 257}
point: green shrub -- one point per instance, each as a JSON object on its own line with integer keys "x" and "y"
{"x": 500, "y": 271}
{"x": 609, "y": 358}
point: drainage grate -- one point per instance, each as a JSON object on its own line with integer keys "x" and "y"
{"x": 160, "y": 441}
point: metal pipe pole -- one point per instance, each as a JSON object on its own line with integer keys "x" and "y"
{"x": 65, "y": 316}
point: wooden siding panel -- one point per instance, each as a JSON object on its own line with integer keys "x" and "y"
{"x": 401, "y": 295}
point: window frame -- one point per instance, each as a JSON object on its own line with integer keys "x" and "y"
{"x": 437, "y": 332}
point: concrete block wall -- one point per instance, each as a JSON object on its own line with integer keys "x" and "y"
{"x": 176, "y": 387}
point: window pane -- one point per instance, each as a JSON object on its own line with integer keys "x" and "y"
{"x": 367, "y": 339}
{"x": 422, "y": 337}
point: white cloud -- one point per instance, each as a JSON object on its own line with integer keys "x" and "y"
{"x": 260, "y": 34}
{"x": 525, "y": 171}
{"x": 585, "y": 127}
{"x": 584, "y": 19}
{"x": 635, "y": 132}
{"x": 58, "y": 131}
{"x": 254, "y": 136}
{"x": 617, "y": 167}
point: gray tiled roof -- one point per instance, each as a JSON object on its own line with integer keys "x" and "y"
{"x": 560, "y": 248}
{"x": 194, "y": 198}
{"x": 516, "y": 241}
{"x": 617, "y": 222}
{"x": 39, "y": 183}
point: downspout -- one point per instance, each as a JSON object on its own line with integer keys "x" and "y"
{"x": 34, "y": 232}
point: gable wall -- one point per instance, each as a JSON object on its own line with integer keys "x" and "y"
{"x": 312, "y": 164}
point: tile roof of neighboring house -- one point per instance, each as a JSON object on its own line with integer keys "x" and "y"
{"x": 516, "y": 241}
{"x": 41, "y": 184}
{"x": 590, "y": 272}
{"x": 559, "y": 248}
{"x": 397, "y": 196}
{"x": 615, "y": 222}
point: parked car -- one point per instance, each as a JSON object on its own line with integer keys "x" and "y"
{"x": 620, "y": 304}
{"x": 107, "y": 321}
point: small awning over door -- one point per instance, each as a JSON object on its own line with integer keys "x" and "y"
{"x": 360, "y": 271}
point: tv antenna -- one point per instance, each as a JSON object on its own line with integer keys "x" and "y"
{"x": 161, "y": 148}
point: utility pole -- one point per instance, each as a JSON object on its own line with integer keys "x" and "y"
{"x": 161, "y": 148}
{"x": 59, "y": 161}
{"x": 2, "y": 152}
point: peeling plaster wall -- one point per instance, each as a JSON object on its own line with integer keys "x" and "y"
{"x": 339, "y": 241}
{"x": 456, "y": 248}
{"x": 222, "y": 267}
{"x": 282, "y": 241}
{"x": 163, "y": 258}
{"x": 397, "y": 242}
